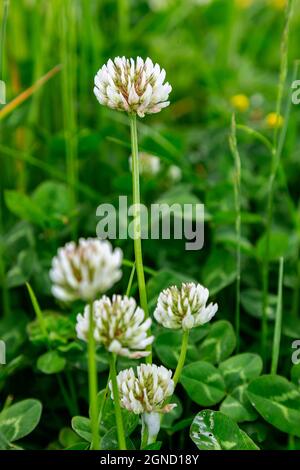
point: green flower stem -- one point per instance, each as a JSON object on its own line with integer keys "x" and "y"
{"x": 137, "y": 223}
{"x": 181, "y": 360}
{"x": 278, "y": 321}
{"x": 118, "y": 411}
{"x": 93, "y": 386}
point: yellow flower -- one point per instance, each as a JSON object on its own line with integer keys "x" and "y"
{"x": 278, "y": 4}
{"x": 243, "y": 3}
{"x": 274, "y": 120}
{"x": 240, "y": 102}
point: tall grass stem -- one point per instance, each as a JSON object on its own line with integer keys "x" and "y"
{"x": 237, "y": 203}
{"x": 278, "y": 321}
{"x": 275, "y": 162}
{"x": 68, "y": 50}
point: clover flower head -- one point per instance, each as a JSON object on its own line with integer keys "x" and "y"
{"x": 146, "y": 391}
{"x": 134, "y": 86}
{"x": 118, "y": 324}
{"x": 81, "y": 271}
{"x": 185, "y": 307}
{"x": 149, "y": 164}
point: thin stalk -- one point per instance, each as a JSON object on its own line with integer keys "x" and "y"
{"x": 13, "y": 104}
{"x": 129, "y": 286}
{"x": 68, "y": 45}
{"x": 73, "y": 393}
{"x": 5, "y": 292}
{"x": 276, "y": 156}
{"x": 137, "y": 224}
{"x": 257, "y": 135}
{"x": 5, "y": 295}
{"x": 37, "y": 310}
{"x": 2, "y": 43}
{"x": 295, "y": 307}
{"x": 103, "y": 401}
{"x": 42, "y": 28}
{"x": 69, "y": 402}
{"x": 93, "y": 385}
{"x": 3, "y": 281}
{"x": 278, "y": 321}
{"x": 237, "y": 201}
{"x": 181, "y": 360}
{"x": 118, "y": 411}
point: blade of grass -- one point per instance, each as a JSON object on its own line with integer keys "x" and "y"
{"x": 68, "y": 87}
{"x": 278, "y": 321}
{"x": 257, "y": 135}
{"x": 276, "y": 155}
{"x": 37, "y": 310}
{"x": 2, "y": 43}
{"x": 12, "y": 105}
{"x": 129, "y": 286}
{"x": 237, "y": 201}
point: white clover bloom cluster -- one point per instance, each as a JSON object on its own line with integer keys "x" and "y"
{"x": 185, "y": 307}
{"x": 118, "y": 324}
{"x": 134, "y": 86}
{"x": 149, "y": 164}
{"x": 147, "y": 391}
{"x": 81, "y": 271}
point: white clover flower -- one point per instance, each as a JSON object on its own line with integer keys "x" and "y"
{"x": 134, "y": 86}
{"x": 119, "y": 325}
{"x": 185, "y": 307}
{"x": 81, "y": 271}
{"x": 174, "y": 173}
{"x": 149, "y": 164}
{"x": 147, "y": 391}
